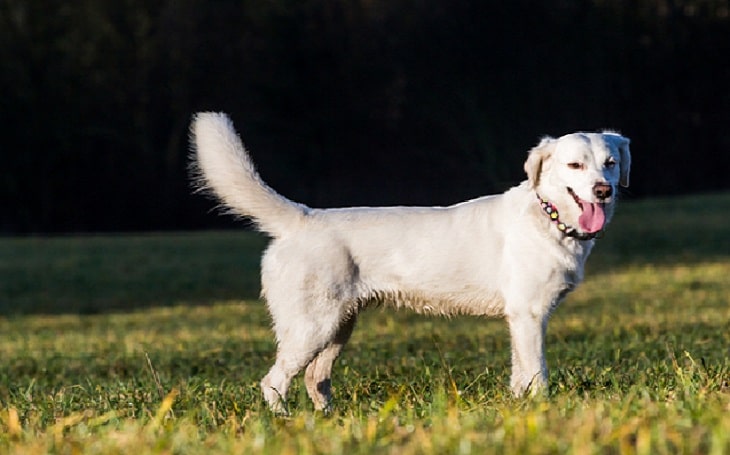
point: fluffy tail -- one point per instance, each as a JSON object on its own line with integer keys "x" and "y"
{"x": 221, "y": 164}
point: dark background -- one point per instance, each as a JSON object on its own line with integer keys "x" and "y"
{"x": 345, "y": 102}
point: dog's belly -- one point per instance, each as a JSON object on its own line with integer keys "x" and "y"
{"x": 467, "y": 301}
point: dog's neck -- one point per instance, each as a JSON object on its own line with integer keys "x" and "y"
{"x": 552, "y": 212}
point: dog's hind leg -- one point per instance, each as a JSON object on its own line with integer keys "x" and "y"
{"x": 317, "y": 377}
{"x": 276, "y": 383}
{"x": 312, "y": 299}
{"x": 299, "y": 341}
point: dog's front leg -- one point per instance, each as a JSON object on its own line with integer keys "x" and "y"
{"x": 529, "y": 369}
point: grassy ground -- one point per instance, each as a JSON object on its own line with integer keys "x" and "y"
{"x": 155, "y": 344}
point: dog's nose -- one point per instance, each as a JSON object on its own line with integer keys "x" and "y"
{"x": 602, "y": 190}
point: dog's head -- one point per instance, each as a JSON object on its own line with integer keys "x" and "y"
{"x": 580, "y": 174}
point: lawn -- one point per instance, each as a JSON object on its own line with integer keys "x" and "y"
{"x": 156, "y": 343}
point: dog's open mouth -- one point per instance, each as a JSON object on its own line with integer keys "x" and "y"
{"x": 593, "y": 217}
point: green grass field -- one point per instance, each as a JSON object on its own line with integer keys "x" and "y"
{"x": 155, "y": 344}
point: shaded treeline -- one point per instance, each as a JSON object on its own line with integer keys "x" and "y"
{"x": 345, "y": 102}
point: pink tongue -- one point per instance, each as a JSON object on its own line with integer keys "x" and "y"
{"x": 593, "y": 218}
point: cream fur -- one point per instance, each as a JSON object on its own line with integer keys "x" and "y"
{"x": 496, "y": 255}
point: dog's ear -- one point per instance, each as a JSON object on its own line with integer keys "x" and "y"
{"x": 622, "y": 143}
{"x": 535, "y": 159}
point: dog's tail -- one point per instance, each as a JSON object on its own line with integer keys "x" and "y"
{"x": 221, "y": 164}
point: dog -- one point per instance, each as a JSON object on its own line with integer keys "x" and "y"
{"x": 514, "y": 255}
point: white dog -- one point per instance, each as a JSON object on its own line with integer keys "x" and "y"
{"x": 515, "y": 254}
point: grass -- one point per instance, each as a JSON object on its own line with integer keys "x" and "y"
{"x": 155, "y": 344}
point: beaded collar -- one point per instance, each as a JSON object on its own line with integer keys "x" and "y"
{"x": 552, "y": 211}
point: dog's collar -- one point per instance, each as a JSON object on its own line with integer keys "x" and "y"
{"x": 552, "y": 211}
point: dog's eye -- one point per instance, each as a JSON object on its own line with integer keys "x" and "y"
{"x": 610, "y": 163}
{"x": 575, "y": 165}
